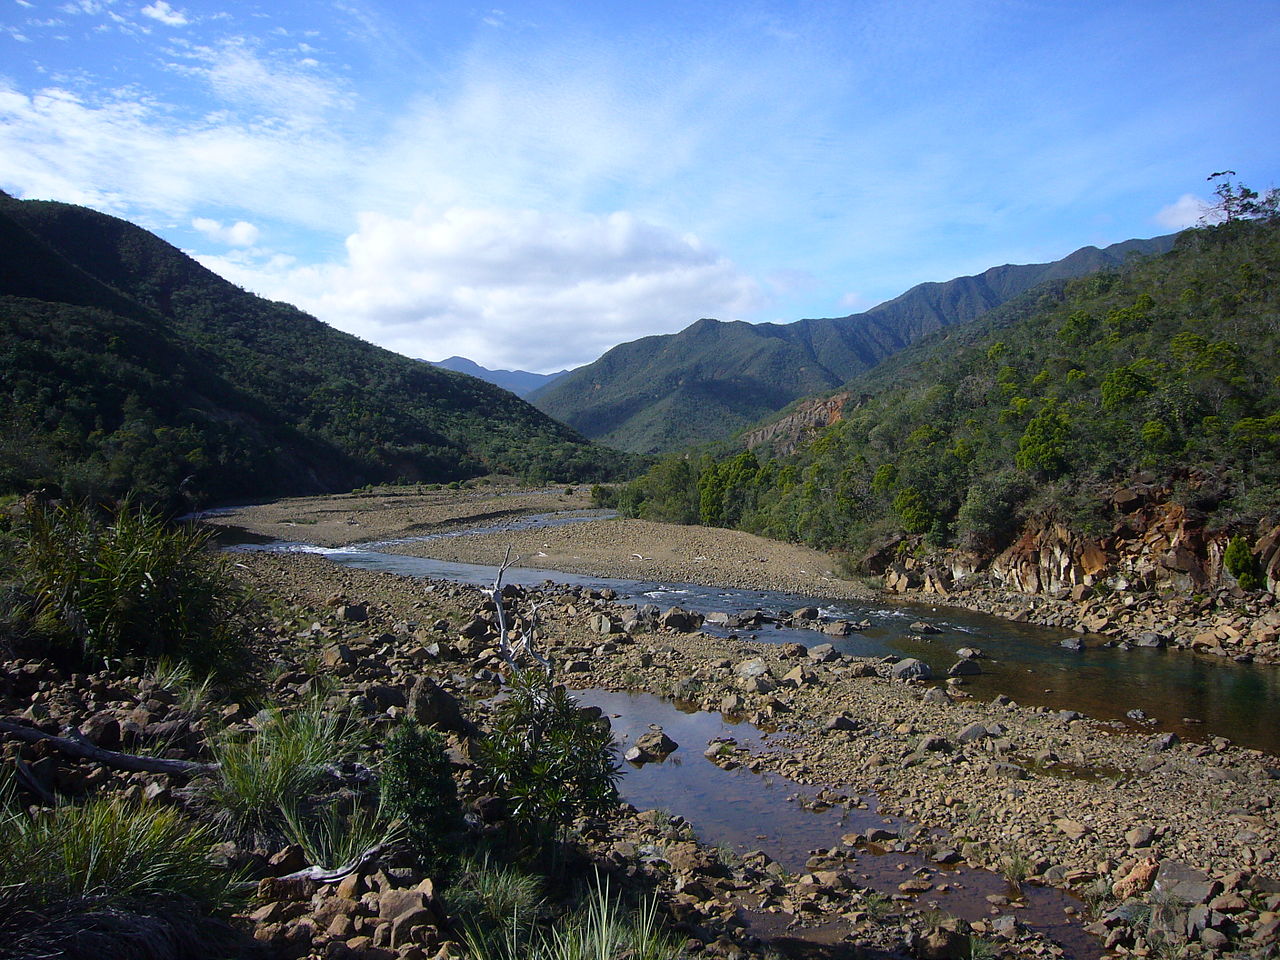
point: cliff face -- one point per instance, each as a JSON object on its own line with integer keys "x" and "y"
{"x": 786, "y": 434}
{"x": 1157, "y": 578}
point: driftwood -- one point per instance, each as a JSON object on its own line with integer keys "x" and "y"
{"x": 512, "y": 650}
{"x": 75, "y": 744}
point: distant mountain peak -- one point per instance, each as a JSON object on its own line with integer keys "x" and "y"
{"x": 520, "y": 382}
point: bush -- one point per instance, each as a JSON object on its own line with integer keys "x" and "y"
{"x": 133, "y": 587}
{"x": 108, "y": 878}
{"x": 418, "y": 787}
{"x": 262, "y": 776}
{"x": 550, "y": 761}
{"x": 1242, "y": 564}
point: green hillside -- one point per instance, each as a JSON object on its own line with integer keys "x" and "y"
{"x": 125, "y": 365}
{"x": 1169, "y": 366}
{"x": 713, "y": 378}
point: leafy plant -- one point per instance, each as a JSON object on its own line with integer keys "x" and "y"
{"x": 106, "y": 878}
{"x": 333, "y": 834}
{"x": 1242, "y": 564}
{"x": 270, "y": 771}
{"x": 548, "y": 759}
{"x": 418, "y": 787}
{"x": 130, "y": 587}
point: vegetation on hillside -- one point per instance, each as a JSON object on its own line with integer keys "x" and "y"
{"x": 664, "y": 393}
{"x": 125, "y": 366}
{"x": 1170, "y": 365}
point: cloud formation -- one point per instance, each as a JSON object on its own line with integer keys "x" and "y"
{"x": 1184, "y": 212}
{"x": 165, "y": 14}
{"x": 520, "y": 288}
{"x": 238, "y": 234}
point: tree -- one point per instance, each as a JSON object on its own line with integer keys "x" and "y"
{"x": 1238, "y": 202}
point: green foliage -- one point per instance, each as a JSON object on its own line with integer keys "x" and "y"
{"x": 267, "y": 774}
{"x": 1242, "y": 564}
{"x": 131, "y": 587}
{"x": 418, "y": 787}
{"x": 1170, "y": 364}
{"x": 601, "y": 929}
{"x": 104, "y": 877}
{"x": 126, "y": 366}
{"x": 548, "y": 759}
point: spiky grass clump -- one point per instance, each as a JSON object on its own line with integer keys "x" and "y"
{"x": 272, "y": 770}
{"x": 107, "y": 878}
{"x": 130, "y": 587}
{"x": 601, "y": 929}
{"x": 334, "y": 834}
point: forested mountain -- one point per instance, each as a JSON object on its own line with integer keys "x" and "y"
{"x": 520, "y": 382}
{"x": 125, "y": 365}
{"x": 713, "y": 378}
{"x": 1167, "y": 368}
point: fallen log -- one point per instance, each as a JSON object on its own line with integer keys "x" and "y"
{"x": 76, "y": 744}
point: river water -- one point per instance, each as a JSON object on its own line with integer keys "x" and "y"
{"x": 1194, "y": 696}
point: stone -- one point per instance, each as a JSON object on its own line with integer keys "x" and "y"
{"x": 431, "y": 705}
{"x": 973, "y": 733}
{"x": 823, "y": 653}
{"x": 935, "y": 744}
{"x": 1175, "y": 879}
{"x": 1074, "y": 829}
{"x": 969, "y": 653}
{"x": 680, "y": 620}
{"x": 755, "y": 667}
{"x": 841, "y": 723}
{"x": 353, "y": 612}
{"x": 1009, "y": 771}
{"x": 1074, "y": 644}
{"x": 910, "y": 669}
{"x": 1150, "y": 639}
{"x": 1139, "y": 836}
{"x": 397, "y": 902}
{"x": 965, "y": 668}
{"x": 921, "y": 627}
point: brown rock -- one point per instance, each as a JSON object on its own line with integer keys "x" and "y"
{"x": 1138, "y": 880}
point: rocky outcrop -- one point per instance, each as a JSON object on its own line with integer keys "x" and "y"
{"x": 786, "y": 434}
{"x": 1156, "y": 577}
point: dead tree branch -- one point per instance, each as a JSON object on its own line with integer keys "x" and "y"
{"x": 75, "y": 744}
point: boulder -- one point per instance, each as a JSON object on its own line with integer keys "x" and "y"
{"x": 431, "y": 705}
{"x": 1174, "y": 879}
{"x": 823, "y": 653}
{"x": 921, "y": 627}
{"x": 964, "y": 668}
{"x": 910, "y": 669}
{"x": 681, "y": 620}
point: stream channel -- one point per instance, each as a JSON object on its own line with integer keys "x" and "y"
{"x": 1181, "y": 692}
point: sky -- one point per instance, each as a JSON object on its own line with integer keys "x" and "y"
{"x": 531, "y": 184}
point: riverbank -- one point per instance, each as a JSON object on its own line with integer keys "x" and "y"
{"x": 1032, "y": 792}
{"x": 627, "y": 549}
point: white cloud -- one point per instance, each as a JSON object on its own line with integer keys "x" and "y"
{"x": 508, "y": 288}
{"x": 855, "y": 302}
{"x": 161, "y": 11}
{"x": 1186, "y": 211}
{"x": 238, "y": 234}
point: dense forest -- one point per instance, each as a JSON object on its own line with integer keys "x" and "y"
{"x": 663, "y": 393}
{"x": 1167, "y": 367}
{"x": 127, "y": 366}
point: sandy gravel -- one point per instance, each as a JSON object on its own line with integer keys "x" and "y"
{"x": 632, "y": 549}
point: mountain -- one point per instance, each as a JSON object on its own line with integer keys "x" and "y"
{"x": 713, "y": 378}
{"x": 127, "y": 366}
{"x": 520, "y": 382}
{"x": 1067, "y": 408}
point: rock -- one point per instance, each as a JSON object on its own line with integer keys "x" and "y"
{"x": 965, "y": 668}
{"x": 748, "y": 669}
{"x": 1150, "y": 639}
{"x": 651, "y": 747}
{"x": 837, "y": 628}
{"x": 936, "y": 695}
{"x": 805, "y": 613}
{"x": 841, "y": 723}
{"x": 1074, "y": 829}
{"x": 680, "y": 620}
{"x": 1214, "y": 940}
{"x": 1166, "y": 741}
{"x": 1140, "y": 836}
{"x": 1137, "y": 881}
{"x": 941, "y": 944}
{"x": 429, "y": 704}
{"x": 353, "y": 612}
{"x": 398, "y": 902}
{"x": 1175, "y": 879}
{"x": 935, "y": 744}
{"x": 1074, "y": 644}
{"x": 921, "y": 627}
{"x": 799, "y": 676}
{"x": 604, "y": 624}
{"x": 910, "y": 669}
{"x": 973, "y": 733}
{"x": 969, "y": 653}
{"x": 1009, "y": 771}
{"x": 823, "y": 653}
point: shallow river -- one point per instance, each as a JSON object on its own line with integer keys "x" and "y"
{"x": 1194, "y": 696}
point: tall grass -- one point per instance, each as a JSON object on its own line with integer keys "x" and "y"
{"x": 601, "y": 929}
{"x": 106, "y": 878}
{"x": 132, "y": 586}
{"x": 333, "y": 834}
{"x": 265, "y": 773}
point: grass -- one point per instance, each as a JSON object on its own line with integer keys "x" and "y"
{"x": 332, "y": 836}
{"x": 495, "y": 901}
{"x": 1015, "y": 866}
{"x": 132, "y": 587}
{"x": 277, "y": 767}
{"x": 602, "y": 928}
{"x": 107, "y": 878}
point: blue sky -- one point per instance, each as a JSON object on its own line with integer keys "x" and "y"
{"x": 528, "y": 185}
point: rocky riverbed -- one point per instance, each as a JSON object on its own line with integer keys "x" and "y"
{"x": 1035, "y": 793}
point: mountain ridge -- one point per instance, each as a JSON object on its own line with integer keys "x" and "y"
{"x": 716, "y": 377}
{"x": 520, "y": 382}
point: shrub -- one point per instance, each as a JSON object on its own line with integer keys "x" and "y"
{"x": 1242, "y": 564}
{"x": 418, "y": 787}
{"x": 132, "y": 587}
{"x": 271, "y": 771}
{"x": 108, "y": 878}
{"x": 550, "y": 761}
